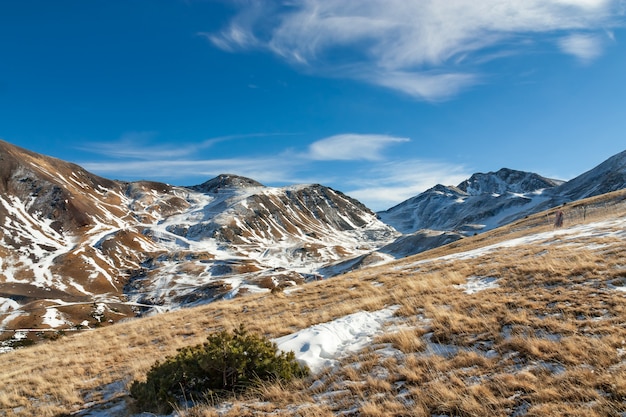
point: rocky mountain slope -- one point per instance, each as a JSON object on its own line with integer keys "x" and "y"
{"x": 486, "y": 201}
{"x": 80, "y": 250}
{"x": 609, "y": 176}
{"x": 480, "y": 203}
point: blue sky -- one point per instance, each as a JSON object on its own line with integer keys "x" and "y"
{"x": 380, "y": 99}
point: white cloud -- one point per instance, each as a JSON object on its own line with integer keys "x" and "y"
{"x": 237, "y": 35}
{"x": 231, "y": 39}
{"x": 405, "y": 42}
{"x": 352, "y": 146}
{"x": 135, "y": 156}
{"x": 265, "y": 170}
{"x": 381, "y": 185}
{"x": 137, "y": 145}
{"x": 378, "y": 180}
{"x": 134, "y": 145}
{"x": 431, "y": 87}
{"x": 588, "y": 4}
{"x": 585, "y": 47}
{"x": 387, "y": 184}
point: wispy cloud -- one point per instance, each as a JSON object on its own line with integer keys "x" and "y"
{"x": 379, "y": 178}
{"x": 428, "y": 49}
{"x": 434, "y": 87}
{"x": 141, "y": 145}
{"x": 237, "y": 35}
{"x": 387, "y": 184}
{"x": 142, "y": 155}
{"x": 585, "y": 47}
{"x": 270, "y": 169}
{"x": 352, "y": 146}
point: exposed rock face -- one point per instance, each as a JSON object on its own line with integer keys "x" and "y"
{"x": 225, "y": 182}
{"x": 505, "y": 181}
{"x": 49, "y": 186}
{"x": 76, "y": 248}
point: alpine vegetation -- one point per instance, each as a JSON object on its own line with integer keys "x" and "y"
{"x": 228, "y": 363}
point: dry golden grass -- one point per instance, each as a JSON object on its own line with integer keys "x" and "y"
{"x": 549, "y": 340}
{"x": 405, "y": 340}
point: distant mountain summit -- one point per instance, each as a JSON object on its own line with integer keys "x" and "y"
{"x": 506, "y": 181}
{"x": 225, "y": 182}
{"x": 481, "y": 202}
{"x": 486, "y": 201}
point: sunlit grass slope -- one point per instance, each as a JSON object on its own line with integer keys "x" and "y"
{"x": 548, "y": 337}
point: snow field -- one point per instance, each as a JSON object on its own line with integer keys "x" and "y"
{"x": 7, "y": 304}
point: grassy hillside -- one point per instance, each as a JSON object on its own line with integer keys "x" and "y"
{"x": 544, "y": 333}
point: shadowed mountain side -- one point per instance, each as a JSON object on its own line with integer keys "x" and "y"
{"x": 487, "y": 201}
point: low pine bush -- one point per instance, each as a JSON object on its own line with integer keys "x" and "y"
{"x": 228, "y": 363}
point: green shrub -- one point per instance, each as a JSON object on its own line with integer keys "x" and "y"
{"x": 227, "y": 363}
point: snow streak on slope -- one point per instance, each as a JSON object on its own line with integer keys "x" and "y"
{"x": 237, "y": 240}
{"x": 322, "y": 345}
{"x": 39, "y": 245}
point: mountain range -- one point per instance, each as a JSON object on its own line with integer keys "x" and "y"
{"x": 487, "y": 201}
{"x": 79, "y": 251}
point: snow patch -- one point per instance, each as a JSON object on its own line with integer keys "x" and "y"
{"x": 478, "y": 284}
{"x": 322, "y": 345}
{"x": 53, "y": 318}
{"x": 7, "y": 305}
{"x": 608, "y": 228}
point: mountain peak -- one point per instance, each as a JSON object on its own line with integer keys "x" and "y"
{"x": 225, "y": 182}
{"x": 478, "y": 203}
{"x": 506, "y": 180}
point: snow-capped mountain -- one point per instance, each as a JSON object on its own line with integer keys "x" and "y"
{"x": 482, "y": 202}
{"x": 77, "y": 249}
{"x": 490, "y": 200}
{"x": 506, "y": 181}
